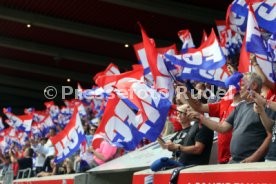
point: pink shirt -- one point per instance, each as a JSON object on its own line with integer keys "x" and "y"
{"x": 107, "y": 151}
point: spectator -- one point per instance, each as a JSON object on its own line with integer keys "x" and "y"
{"x": 83, "y": 162}
{"x": 200, "y": 87}
{"x": 59, "y": 128}
{"x": 14, "y": 147}
{"x": 47, "y": 149}
{"x": 210, "y": 93}
{"x": 271, "y": 94}
{"x": 90, "y": 136}
{"x": 52, "y": 132}
{"x": 23, "y": 163}
{"x": 68, "y": 166}
{"x": 5, "y": 163}
{"x": 53, "y": 171}
{"x": 190, "y": 146}
{"x": 173, "y": 118}
{"x": 40, "y": 157}
{"x": 104, "y": 153}
{"x": 250, "y": 140}
{"x": 86, "y": 127}
{"x": 269, "y": 124}
{"x": 222, "y": 110}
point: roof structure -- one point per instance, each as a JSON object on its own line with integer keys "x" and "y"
{"x": 45, "y": 43}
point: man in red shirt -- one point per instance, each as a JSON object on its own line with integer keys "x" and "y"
{"x": 222, "y": 110}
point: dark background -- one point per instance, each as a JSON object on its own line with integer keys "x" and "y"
{"x": 77, "y": 38}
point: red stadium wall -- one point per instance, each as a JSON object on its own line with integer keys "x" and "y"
{"x": 58, "y": 181}
{"x": 251, "y": 173}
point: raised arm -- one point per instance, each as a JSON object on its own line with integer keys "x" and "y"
{"x": 12, "y": 156}
{"x": 259, "y": 105}
{"x": 260, "y": 72}
{"x": 213, "y": 125}
{"x": 185, "y": 96}
{"x": 2, "y": 158}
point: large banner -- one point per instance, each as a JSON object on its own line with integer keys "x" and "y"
{"x": 135, "y": 112}
{"x": 208, "y": 56}
{"x": 68, "y": 141}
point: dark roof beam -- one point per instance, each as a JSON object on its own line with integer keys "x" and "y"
{"x": 173, "y": 9}
{"x": 44, "y": 70}
{"x": 71, "y": 27}
{"x": 24, "y": 83}
{"x": 55, "y": 51}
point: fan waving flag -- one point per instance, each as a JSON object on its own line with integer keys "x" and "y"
{"x": 244, "y": 61}
{"x": 132, "y": 116}
{"x": 265, "y": 12}
{"x": 68, "y": 141}
{"x": 142, "y": 58}
{"x": 187, "y": 40}
{"x": 254, "y": 41}
{"x": 208, "y": 56}
{"x": 162, "y": 78}
{"x": 245, "y": 64}
{"x": 118, "y": 125}
{"x": 151, "y": 105}
{"x": 107, "y": 82}
{"x": 46, "y": 124}
{"x": 22, "y": 122}
{"x": 29, "y": 110}
{"x": 2, "y": 127}
{"x": 272, "y": 46}
{"x": 216, "y": 77}
{"x": 237, "y": 16}
{"x": 110, "y": 70}
{"x": 230, "y": 41}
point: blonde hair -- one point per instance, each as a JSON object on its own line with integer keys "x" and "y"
{"x": 69, "y": 163}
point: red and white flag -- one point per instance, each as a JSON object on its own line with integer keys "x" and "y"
{"x": 69, "y": 140}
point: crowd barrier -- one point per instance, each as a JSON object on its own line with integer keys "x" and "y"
{"x": 57, "y": 179}
{"x": 249, "y": 173}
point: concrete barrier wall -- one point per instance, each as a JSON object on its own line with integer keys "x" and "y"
{"x": 58, "y": 179}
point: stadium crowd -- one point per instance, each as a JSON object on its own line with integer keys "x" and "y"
{"x": 246, "y": 130}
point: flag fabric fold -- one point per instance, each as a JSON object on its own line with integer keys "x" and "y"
{"x": 68, "y": 141}
{"x": 208, "y": 56}
{"x": 141, "y": 112}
